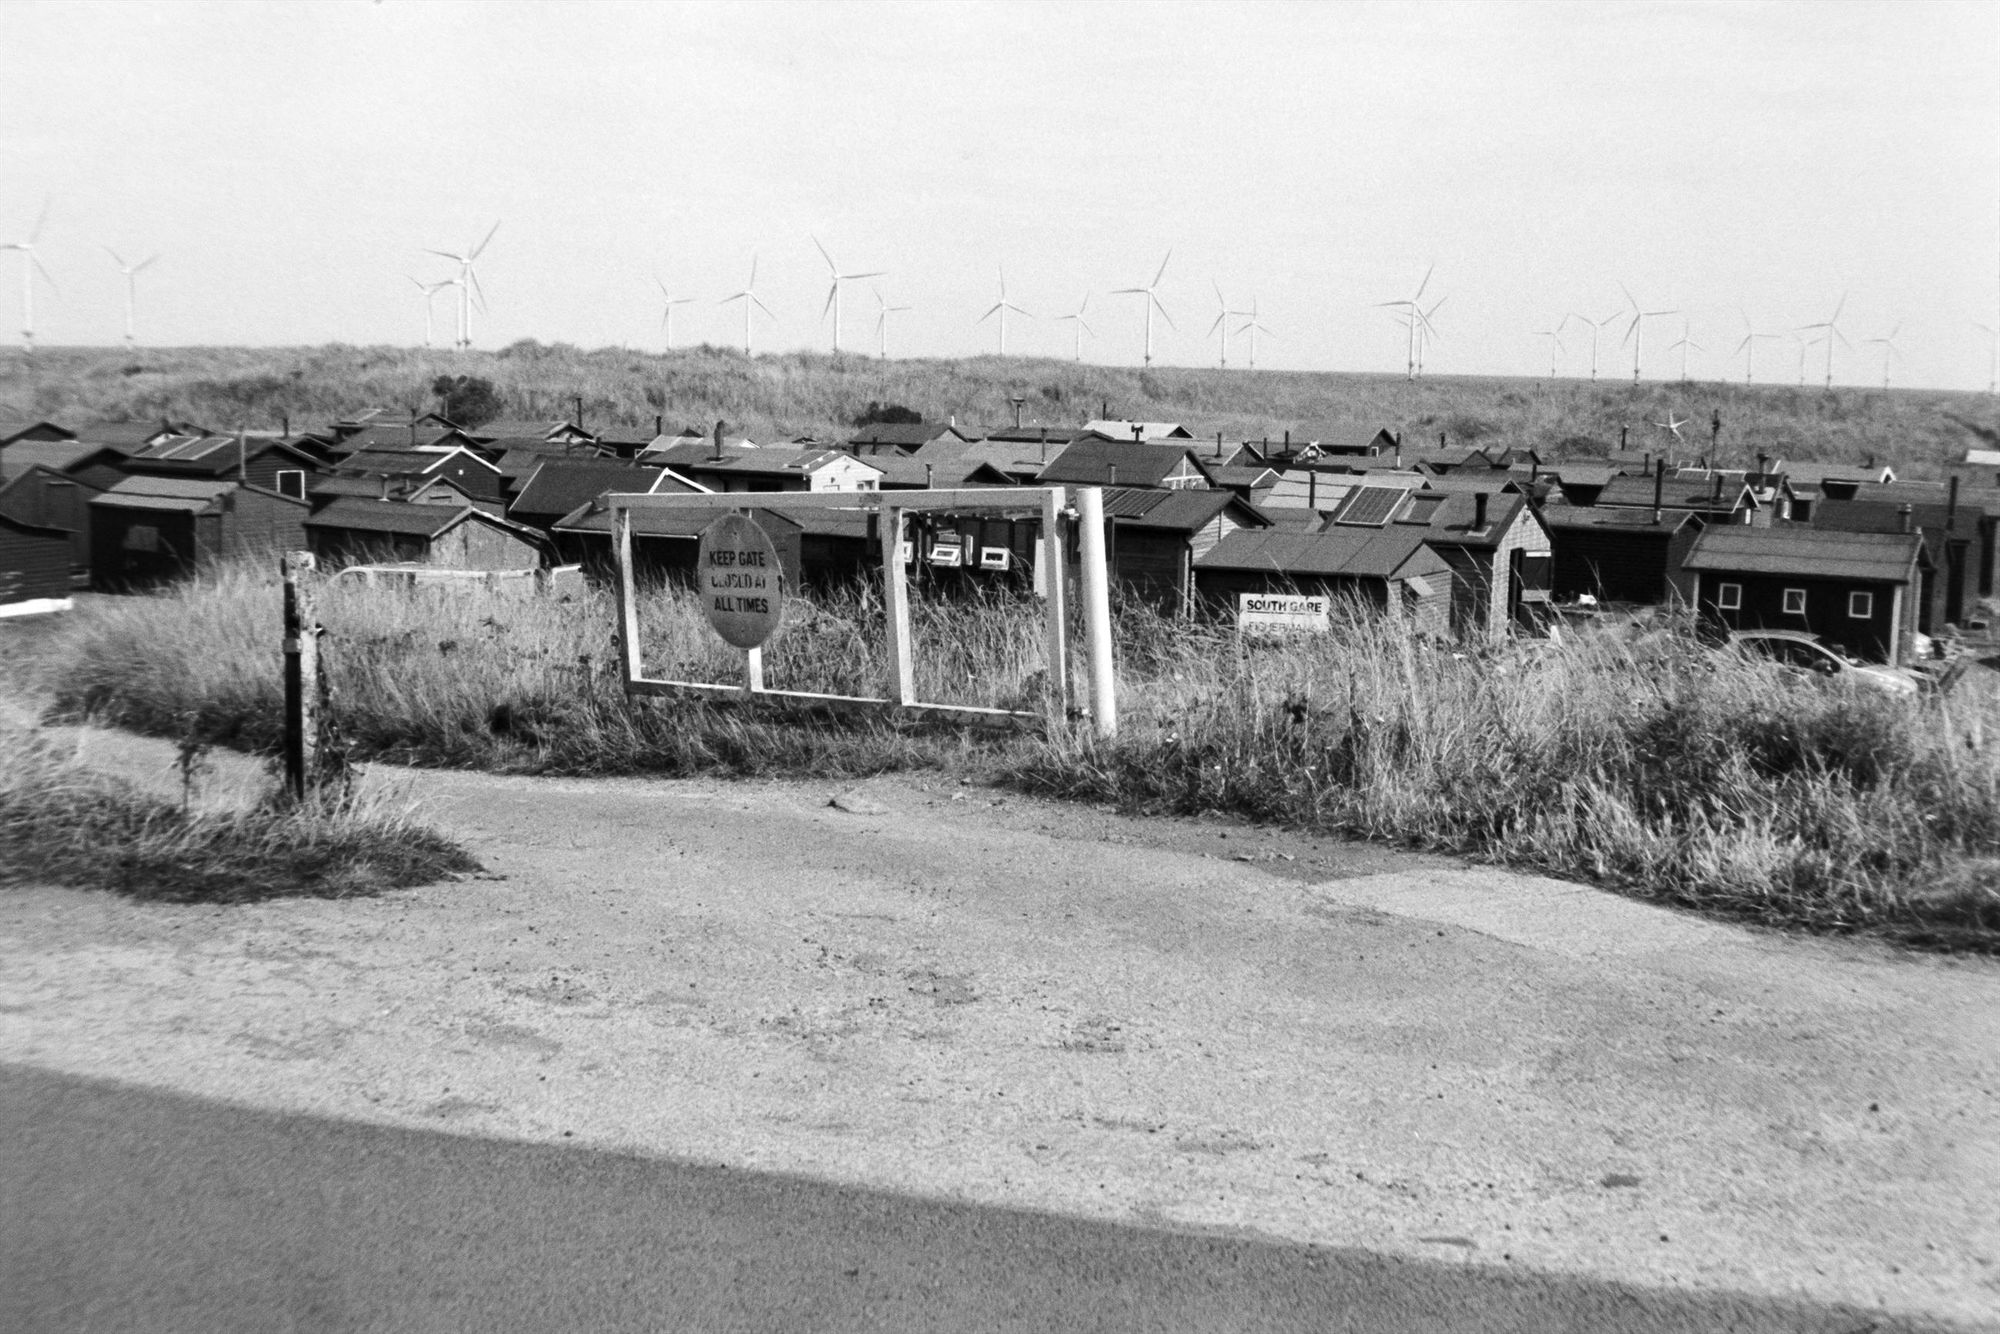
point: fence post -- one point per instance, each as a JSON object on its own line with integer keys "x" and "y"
{"x": 1097, "y": 611}
{"x": 302, "y": 674}
{"x": 1055, "y": 581}
{"x": 896, "y": 606}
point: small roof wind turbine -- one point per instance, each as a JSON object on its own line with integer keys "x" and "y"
{"x": 1889, "y": 349}
{"x": 748, "y": 296}
{"x": 131, "y": 272}
{"x": 468, "y": 286}
{"x": 833, "y": 291}
{"x": 1149, "y": 294}
{"x": 1000, "y": 308}
{"x": 883, "y": 310}
{"x": 1082, "y": 327}
{"x": 667, "y": 310}
{"x": 1635, "y": 332}
{"x": 1672, "y": 425}
{"x": 1829, "y": 331}
{"x": 430, "y": 291}
{"x": 30, "y": 266}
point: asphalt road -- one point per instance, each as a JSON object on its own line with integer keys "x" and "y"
{"x": 126, "y": 1208}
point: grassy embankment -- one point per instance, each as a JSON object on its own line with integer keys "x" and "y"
{"x": 782, "y": 396}
{"x": 63, "y": 823}
{"x": 1653, "y": 766}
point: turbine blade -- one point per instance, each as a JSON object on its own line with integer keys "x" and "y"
{"x": 1218, "y": 321}
{"x": 47, "y": 277}
{"x": 1163, "y": 312}
{"x": 482, "y": 245}
{"x": 145, "y": 264}
{"x": 1628, "y": 296}
{"x": 1425, "y": 283}
{"x": 831, "y": 267}
{"x": 1163, "y": 271}
{"x": 760, "y": 304}
{"x": 35, "y": 234}
{"x": 751, "y": 285}
{"x": 831, "y": 293}
{"x": 987, "y": 316}
{"x": 114, "y": 257}
{"x": 856, "y": 277}
{"x": 446, "y": 254}
{"x": 478, "y": 292}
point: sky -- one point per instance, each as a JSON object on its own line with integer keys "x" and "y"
{"x": 291, "y": 163}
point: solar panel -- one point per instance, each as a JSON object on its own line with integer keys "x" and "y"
{"x": 1371, "y": 506}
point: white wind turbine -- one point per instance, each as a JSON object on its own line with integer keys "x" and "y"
{"x": 131, "y": 272}
{"x": 1427, "y": 332}
{"x": 1684, "y": 343}
{"x": 1554, "y": 335}
{"x": 1992, "y": 356}
{"x": 833, "y": 291}
{"x": 1635, "y": 332}
{"x": 1829, "y": 330}
{"x": 1596, "y": 326}
{"x": 430, "y": 291}
{"x": 1672, "y": 426}
{"x": 1413, "y": 317}
{"x": 1000, "y": 308}
{"x": 30, "y": 266}
{"x": 1748, "y": 347}
{"x": 1804, "y": 345}
{"x": 1082, "y": 326}
{"x": 748, "y": 296}
{"x": 1149, "y": 294}
{"x": 882, "y": 313}
{"x": 1253, "y": 328}
{"x": 667, "y": 310}
{"x": 468, "y": 286}
{"x": 1889, "y": 349}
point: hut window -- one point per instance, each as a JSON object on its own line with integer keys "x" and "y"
{"x": 1729, "y": 597}
{"x": 142, "y": 537}
{"x": 292, "y": 482}
{"x": 1795, "y": 602}
{"x": 1861, "y": 606}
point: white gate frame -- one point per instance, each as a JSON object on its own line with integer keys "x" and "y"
{"x": 1049, "y": 503}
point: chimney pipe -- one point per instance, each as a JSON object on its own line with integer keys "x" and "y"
{"x": 1045, "y": 446}
{"x": 1218, "y": 446}
{"x": 1288, "y": 440}
{"x": 929, "y": 476}
{"x": 718, "y": 441}
{"x": 1762, "y": 461}
{"x": 385, "y": 486}
{"x": 285, "y": 424}
{"x": 243, "y": 456}
{"x": 1399, "y": 453}
{"x": 1017, "y": 400}
{"x": 659, "y": 424}
{"x": 1903, "y": 516}
{"x": 1621, "y": 437}
{"x": 1138, "y": 433}
{"x": 1114, "y": 474}
{"x": 579, "y": 409}
{"x": 1312, "y": 489}
{"x": 1951, "y": 506}
{"x": 1478, "y": 511}
{"x": 1659, "y": 487}
{"x": 1104, "y": 409}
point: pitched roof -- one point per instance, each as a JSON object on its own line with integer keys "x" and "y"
{"x": 668, "y": 522}
{"x": 185, "y": 495}
{"x": 559, "y": 485}
{"x": 1577, "y": 517}
{"x": 61, "y": 455}
{"x": 402, "y": 461}
{"x": 1094, "y": 462}
{"x": 124, "y": 435}
{"x": 903, "y": 435}
{"x": 906, "y": 470}
{"x": 416, "y": 520}
{"x": 1368, "y": 553}
{"x": 1813, "y": 552}
{"x": 1121, "y": 430}
{"x": 774, "y": 462}
{"x": 1675, "y": 492}
{"x": 1446, "y": 516}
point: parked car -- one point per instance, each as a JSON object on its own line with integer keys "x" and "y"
{"x": 1797, "y": 651}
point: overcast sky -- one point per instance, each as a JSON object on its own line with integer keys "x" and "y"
{"x": 291, "y": 162}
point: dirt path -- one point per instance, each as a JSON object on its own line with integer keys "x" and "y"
{"x": 955, "y": 992}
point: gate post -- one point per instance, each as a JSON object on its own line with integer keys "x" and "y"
{"x": 302, "y": 674}
{"x": 1097, "y": 612}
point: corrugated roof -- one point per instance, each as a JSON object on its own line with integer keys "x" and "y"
{"x": 1093, "y": 462}
{"x": 559, "y": 486}
{"x": 1370, "y": 553}
{"x": 1813, "y": 552}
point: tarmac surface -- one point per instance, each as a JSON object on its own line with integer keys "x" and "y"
{"x": 1014, "y": 1064}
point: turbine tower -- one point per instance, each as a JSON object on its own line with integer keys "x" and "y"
{"x": 1253, "y": 328}
{"x": 1992, "y": 356}
{"x": 1684, "y": 343}
{"x": 1082, "y": 327}
{"x": 1554, "y": 334}
{"x": 1413, "y": 317}
{"x": 882, "y": 313}
{"x": 1635, "y": 332}
{"x": 30, "y": 266}
{"x": 1829, "y": 330}
{"x": 1149, "y": 294}
{"x": 430, "y": 291}
{"x": 1889, "y": 349}
{"x": 748, "y": 296}
{"x": 131, "y": 272}
{"x": 833, "y": 292}
{"x": 667, "y": 310}
{"x": 468, "y": 286}
{"x": 1000, "y": 308}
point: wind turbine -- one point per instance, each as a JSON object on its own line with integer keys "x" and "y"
{"x": 667, "y": 311}
{"x": 1223, "y": 314}
{"x": 1804, "y": 345}
{"x": 1748, "y": 347}
{"x": 1635, "y": 332}
{"x": 1082, "y": 326}
{"x": 1150, "y": 294}
{"x": 430, "y": 291}
{"x": 1831, "y": 330}
{"x": 1427, "y": 332}
{"x": 748, "y": 296}
{"x": 833, "y": 292}
{"x": 131, "y": 272}
{"x": 1554, "y": 335}
{"x": 1889, "y": 349}
{"x": 1595, "y": 327}
{"x": 30, "y": 266}
{"x": 1253, "y": 328}
{"x": 1413, "y": 314}
{"x": 1000, "y": 308}
{"x": 468, "y": 286}
{"x": 1992, "y": 354}
{"x": 1685, "y": 342}
{"x": 883, "y": 311}
{"x": 1672, "y": 425}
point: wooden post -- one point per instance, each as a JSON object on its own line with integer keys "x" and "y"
{"x": 1097, "y": 611}
{"x": 302, "y": 675}
{"x": 628, "y": 596}
{"x": 896, "y": 608}
{"x": 1055, "y": 590}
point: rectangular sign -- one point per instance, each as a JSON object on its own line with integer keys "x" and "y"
{"x": 993, "y": 558}
{"x": 1283, "y": 611}
{"x": 947, "y": 553}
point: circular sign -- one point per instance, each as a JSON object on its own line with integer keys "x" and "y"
{"x": 740, "y": 581}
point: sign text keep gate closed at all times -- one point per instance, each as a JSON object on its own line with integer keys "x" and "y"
{"x": 741, "y": 581}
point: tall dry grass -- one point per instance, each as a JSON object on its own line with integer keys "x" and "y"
{"x": 1654, "y": 765}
